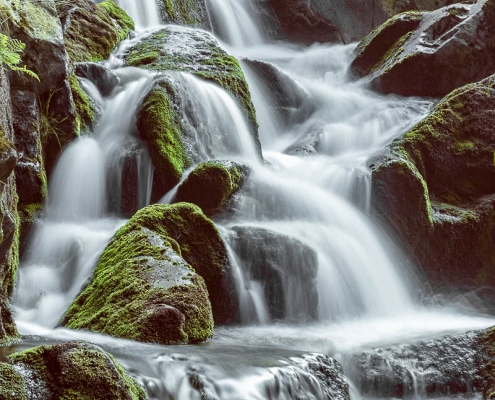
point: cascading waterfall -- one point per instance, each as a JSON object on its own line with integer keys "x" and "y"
{"x": 312, "y": 210}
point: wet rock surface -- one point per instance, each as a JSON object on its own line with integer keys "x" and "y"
{"x": 434, "y": 188}
{"x": 437, "y": 51}
{"x": 286, "y": 268}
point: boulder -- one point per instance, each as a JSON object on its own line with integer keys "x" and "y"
{"x": 68, "y": 370}
{"x": 92, "y": 31}
{"x": 103, "y": 78}
{"x": 211, "y": 184}
{"x": 435, "y": 188}
{"x": 172, "y": 144}
{"x": 144, "y": 286}
{"x": 289, "y": 100}
{"x": 429, "y": 53}
{"x": 285, "y": 267}
{"x": 447, "y": 367}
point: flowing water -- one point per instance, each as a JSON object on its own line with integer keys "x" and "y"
{"x": 342, "y": 287}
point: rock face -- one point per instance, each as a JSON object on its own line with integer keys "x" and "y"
{"x": 160, "y": 121}
{"x": 286, "y": 268}
{"x": 70, "y": 370}
{"x": 437, "y": 51}
{"x": 435, "y": 188}
{"x": 212, "y": 184}
{"x": 144, "y": 286}
{"x": 443, "y": 367}
{"x": 92, "y": 31}
{"x": 343, "y": 21}
{"x": 8, "y": 330}
{"x": 185, "y": 12}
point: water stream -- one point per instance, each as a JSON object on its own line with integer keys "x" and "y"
{"x": 361, "y": 294}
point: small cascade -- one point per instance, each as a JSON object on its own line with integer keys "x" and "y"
{"x": 234, "y": 22}
{"x": 216, "y": 127}
{"x": 145, "y": 13}
{"x": 86, "y": 188}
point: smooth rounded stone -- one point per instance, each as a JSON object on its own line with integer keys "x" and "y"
{"x": 435, "y": 188}
{"x": 442, "y": 367}
{"x": 429, "y": 54}
{"x": 103, "y": 78}
{"x": 212, "y": 184}
{"x": 92, "y": 31}
{"x": 289, "y": 101}
{"x": 309, "y": 145}
{"x": 286, "y": 269}
{"x": 69, "y": 370}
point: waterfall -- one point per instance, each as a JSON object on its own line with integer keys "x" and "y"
{"x": 83, "y": 195}
{"x": 145, "y": 13}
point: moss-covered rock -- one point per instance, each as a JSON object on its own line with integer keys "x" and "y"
{"x": 436, "y": 188}
{"x": 430, "y": 53}
{"x": 8, "y": 330}
{"x": 92, "y": 31}
{"x": 72, "y": 370}
{"x": 176, "y": 48}
{"x": 159, "y": 124}
{"x": 211, "y": 184}
{"x": 186, "y": 12}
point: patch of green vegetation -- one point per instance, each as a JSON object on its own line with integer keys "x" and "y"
{"x": 85, "y": 109}
{"x": 12, "y": 264}
{"x": 11, "y": 384}
{"x": 162, "y": 126}
{"x": 123, "y": 22}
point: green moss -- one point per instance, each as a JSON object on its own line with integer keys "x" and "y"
{"x": 12, "y": 264}
{"x": 11, "y": 384}
{"x": 210, "y": 185}
{"x": 162, "y": 127}
{"x": 31, "y": 212}
{"x": 94, "y": 30}
{"x": 76, "y": 370}
{"x": 182, "y": 11}
{"x": 86, "y": 113}
{"x": 123, "y": 22}
{"x": 123, "y": 301}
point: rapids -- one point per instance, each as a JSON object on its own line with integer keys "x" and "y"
{"x": 367, "y": 293}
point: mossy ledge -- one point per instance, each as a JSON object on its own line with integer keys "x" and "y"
{"x": 143, "y": 287}
{"x": 70, "y": 371}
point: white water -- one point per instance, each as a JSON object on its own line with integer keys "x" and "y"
{"x": 145, "y": 13}
{"x": 365, "y": 298}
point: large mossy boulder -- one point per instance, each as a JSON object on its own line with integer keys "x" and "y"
{"x": 286, "y": 269}
{"x": 160, "y": 120}
{"x": 211, "y": 184}
{"x": 429, "y": 53}
{"x": 72, "y": 370}
{"x": 92, "y": 31}
{"x": 435, "y": 187}
{"x": 145, "y": 286}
